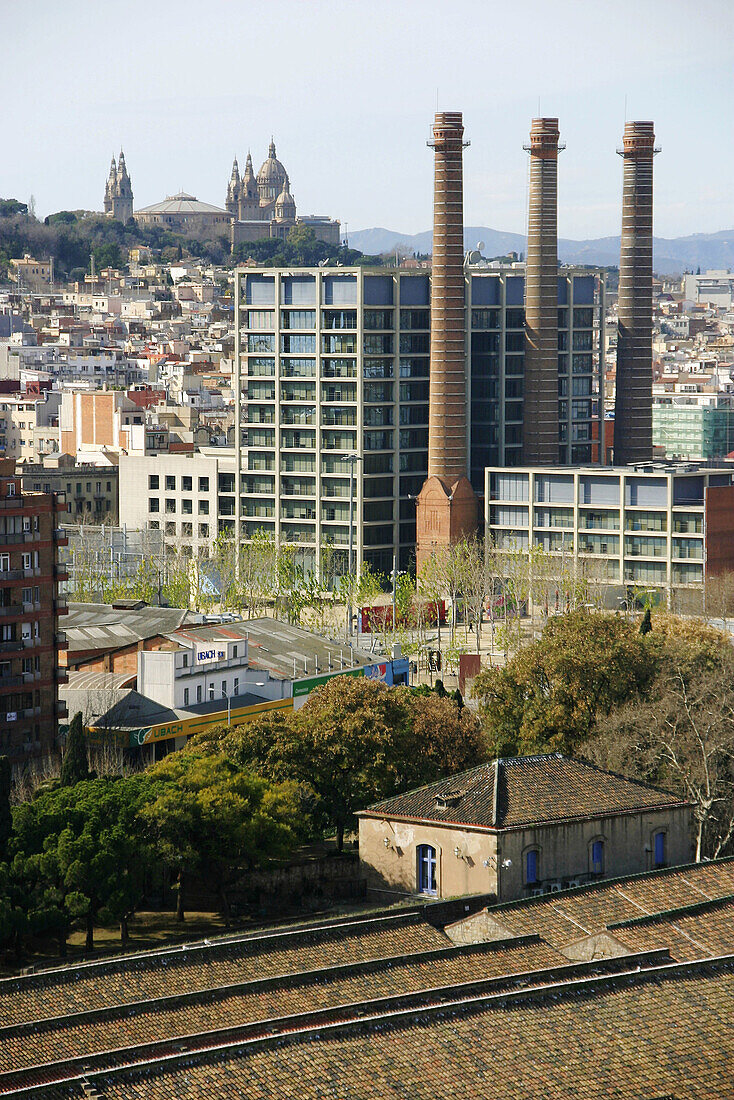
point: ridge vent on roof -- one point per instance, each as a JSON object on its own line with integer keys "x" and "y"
{"x": 513, "y": 761}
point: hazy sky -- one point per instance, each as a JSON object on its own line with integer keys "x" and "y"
{"x": 349, "y": 88}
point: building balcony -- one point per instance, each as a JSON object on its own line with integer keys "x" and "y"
{"x": 60, "y": 573}
{"x": 62, "y": 676}
{"x": 60, "y": 605}
{"x": 12, "y": 575}
{"x": 10, "y": 682}
{"x": 11, "y": 609}
{"x": 60, "y": 537}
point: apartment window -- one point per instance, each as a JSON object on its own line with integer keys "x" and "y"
{"x": 532, "y": 866}
{"x": 204, "y": 530}
{"x": 234, "y": 650}
{"x": 154, "y": 525}
{"x": 186, "y": 697}
{"x": 187, "y": 507}
{"x": 186, "y": 484}
{"x": 198, "y": 693}
{"x": 203, "y": 507}
{"x": 170, "y": 505}
{"x": 27, "y": 595}
{"x": 170, "y": 529}
{"x": 153, "y": 482}
{"x": 170, "y": 483}
{"x": 236, "y": 686}
{"x": 203, "y": 484}
{"x": 211, "y": 693}
{"x": 154, "y": 504}
{"x": 224, "y": 689}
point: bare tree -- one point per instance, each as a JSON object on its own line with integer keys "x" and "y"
{"x": 682, "y": 735}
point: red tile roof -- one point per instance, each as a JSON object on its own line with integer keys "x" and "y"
{"x": 524, "y": 790}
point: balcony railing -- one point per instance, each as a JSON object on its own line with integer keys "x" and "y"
{"x": 11, "y": 609}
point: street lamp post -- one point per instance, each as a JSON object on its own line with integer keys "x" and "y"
{"x": 351, "y": 459}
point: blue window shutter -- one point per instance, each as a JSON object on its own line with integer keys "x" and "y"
{"x": 659, "y": 849}
{"x": 597, "y": 852}
{"x": 531, "y": 866}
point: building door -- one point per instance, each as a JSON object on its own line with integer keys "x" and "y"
{"x": 426, "y": 869}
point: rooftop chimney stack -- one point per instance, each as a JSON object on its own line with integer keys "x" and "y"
{"x": 447, "y": 504}
{"x": 633, "y": 400}
{"x": 540, "y": 406}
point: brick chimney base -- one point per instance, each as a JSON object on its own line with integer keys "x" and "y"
{"x": 446, "y": 512}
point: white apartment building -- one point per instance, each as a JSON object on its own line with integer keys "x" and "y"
{"x": 657, "y": 526}
{"x": 189, "y": 497}
{"x": 715, "y": 287}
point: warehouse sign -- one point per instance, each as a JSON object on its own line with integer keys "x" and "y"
{"x": 196, "y": 723}
{"x": 389, "y": 672}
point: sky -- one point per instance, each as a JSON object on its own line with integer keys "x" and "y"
{"x": 348, "y": 88}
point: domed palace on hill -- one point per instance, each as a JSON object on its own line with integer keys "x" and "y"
{"x": 256, "y": 207}
{"x": 266, "y": 197}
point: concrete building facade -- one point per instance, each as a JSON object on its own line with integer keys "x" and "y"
{"x": 336, "y": 363}
{"x": 658, "y": 527}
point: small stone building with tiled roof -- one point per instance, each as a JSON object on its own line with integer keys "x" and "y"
{"x": 518, "y": 827}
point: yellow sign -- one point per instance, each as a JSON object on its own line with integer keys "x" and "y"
{"x": 187, "y": 727}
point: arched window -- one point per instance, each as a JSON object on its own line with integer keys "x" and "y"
{"x": 426, "y": 869}
{"x": 532, "y": 866}
{"x": 658, "y": 849}
{"x": 596, "y": 857}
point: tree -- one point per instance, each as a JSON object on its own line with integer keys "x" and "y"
{"x": 75, "y": 764}
{"x": 646, "y": 624}
{"x": 549, "y": 696}
{"x": 85, "y": 850}
{"x": 215, "y": 820}
{"x": 6, "y": 817}
{"x": 356, "y": 741}
{"x": 681, "y": 736}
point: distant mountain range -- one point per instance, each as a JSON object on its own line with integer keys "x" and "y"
{"x": 671, "y": 257}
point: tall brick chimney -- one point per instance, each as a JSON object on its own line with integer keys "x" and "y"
{"x": 447, "y": 505}
{"x": 633, "y": 401}
{"x": 540, "y": 405}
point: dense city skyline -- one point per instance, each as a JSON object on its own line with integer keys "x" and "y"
{"x": 349, "y": 109}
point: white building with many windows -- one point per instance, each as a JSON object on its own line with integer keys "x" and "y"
{"x": 657, "y": 526}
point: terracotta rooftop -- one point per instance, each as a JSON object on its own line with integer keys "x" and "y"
{"x": 523, "y": 790}
{"x": 384, "y": 1007}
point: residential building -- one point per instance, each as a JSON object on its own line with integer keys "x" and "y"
{"x": 713, "y": 287}
{"x": 32, "y": 274}
{"x": 335, "y": 363}
{"x": 520, "y": 827}
{"x": 90, "y": 491}
{"x": 30, "y": 607}
{"x": 107, "y": 420}
{"x": 29, "y": 424}
{"x": 658, "y": 527}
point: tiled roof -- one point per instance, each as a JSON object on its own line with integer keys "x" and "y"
{"x": 660, "y": 1033}
{"x": 562, "y": 919}
{"x": 158, "y": 974}
{"x": 524, "y": 790}
{"x": 269, "y": 1000}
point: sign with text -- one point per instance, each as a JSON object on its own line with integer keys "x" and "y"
{"x": 208, "y": 653}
